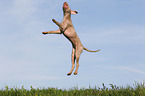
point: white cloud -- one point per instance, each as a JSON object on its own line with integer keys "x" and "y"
{"x": 123, "y": 34}
{"x": 25, "y": 9}
{"x": 129, "y": 69}
{"x": 35, "y": 77}
{"x": 26, "y": 69}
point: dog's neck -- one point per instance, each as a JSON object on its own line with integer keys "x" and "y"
{"x": 67, "y": 15}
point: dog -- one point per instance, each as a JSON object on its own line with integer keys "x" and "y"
{"x": 67, "y": 29}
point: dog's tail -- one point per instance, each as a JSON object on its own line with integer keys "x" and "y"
{"x": 91, "y": 50}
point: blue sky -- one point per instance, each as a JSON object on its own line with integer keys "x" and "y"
{"x": 28, "y": 58}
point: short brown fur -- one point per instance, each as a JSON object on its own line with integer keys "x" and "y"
{"x": 66, "y": 28}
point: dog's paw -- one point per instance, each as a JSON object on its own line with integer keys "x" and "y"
{"x": 75, "y": 73}
{"x": 53, "y": 20}
{"x": 44, "y": 33}
{"x": 68, "y": 74}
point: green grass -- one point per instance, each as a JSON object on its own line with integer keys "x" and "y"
{"x": 137, "y": 90}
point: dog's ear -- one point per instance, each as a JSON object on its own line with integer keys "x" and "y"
{"x": 74, "y": 12}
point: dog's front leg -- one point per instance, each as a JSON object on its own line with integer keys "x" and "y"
{"x": 52, "y": 32}
{"x": 60, "y": 25}
{"x": 57, "y": 23}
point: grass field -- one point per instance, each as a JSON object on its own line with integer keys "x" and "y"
{"x": 136, "y": 90}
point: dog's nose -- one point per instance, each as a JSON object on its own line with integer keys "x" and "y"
{"x": 64, "y": 2}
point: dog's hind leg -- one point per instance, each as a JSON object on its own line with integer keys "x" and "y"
{"x": 78, "y": 53}
{"x": 73, "y": 57}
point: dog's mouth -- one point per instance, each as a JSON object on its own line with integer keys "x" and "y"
{"x": 65, "y": 5}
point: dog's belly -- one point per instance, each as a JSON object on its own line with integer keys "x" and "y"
{"x": 73, "y": 38}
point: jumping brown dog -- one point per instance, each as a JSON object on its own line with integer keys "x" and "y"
{"x": 66, "y": 28}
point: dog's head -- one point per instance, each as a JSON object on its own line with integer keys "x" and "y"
{"x": 66, "y": 9}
